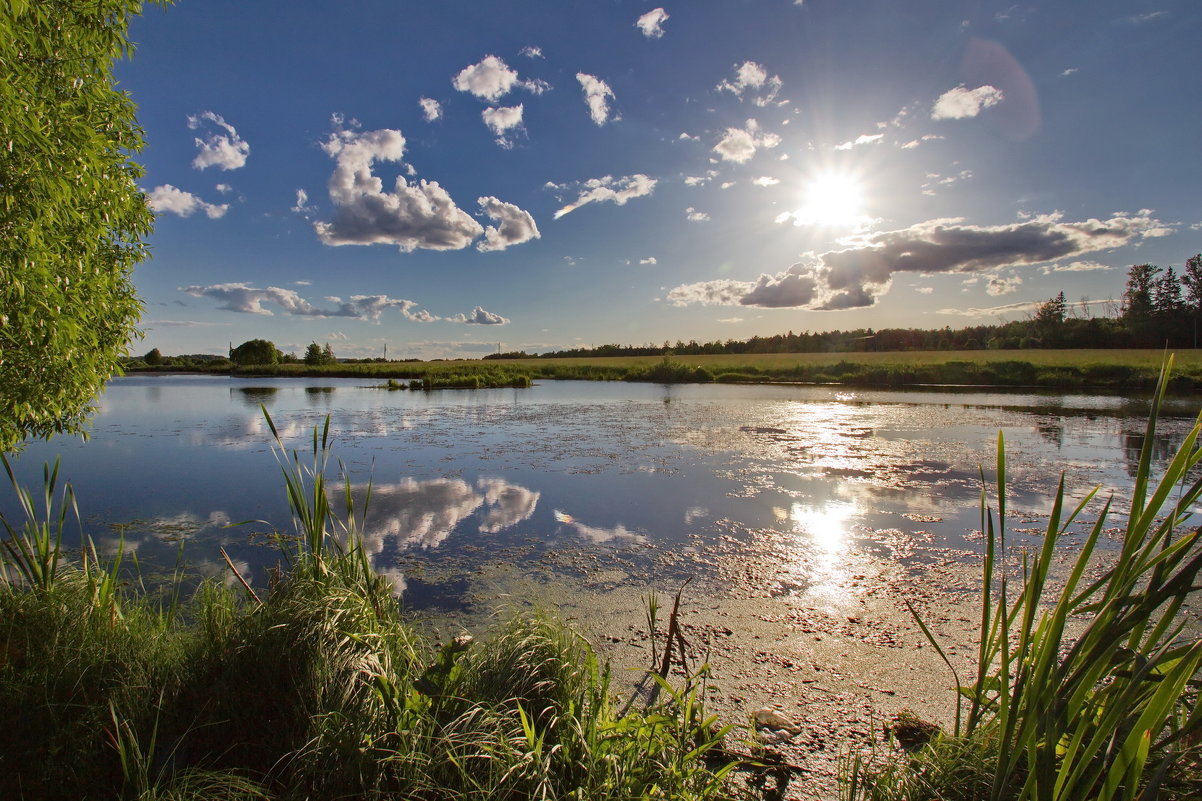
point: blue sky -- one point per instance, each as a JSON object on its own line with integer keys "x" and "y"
{"x": 442, "y": 177}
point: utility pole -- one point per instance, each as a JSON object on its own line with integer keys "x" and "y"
{"x": 385, "y": 351}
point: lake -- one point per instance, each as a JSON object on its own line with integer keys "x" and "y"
{"x": 640, "y": 484}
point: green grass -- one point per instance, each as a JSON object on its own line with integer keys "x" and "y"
{"x": 1111, "y": 713}
{"x": 316, "y": 688}
{"x": 1115, "y": 369}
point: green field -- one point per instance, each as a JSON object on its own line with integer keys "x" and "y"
{"x": 1116, "y": 369}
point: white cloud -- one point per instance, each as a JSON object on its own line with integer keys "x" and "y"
{"x": 514, "y": 225}
{"x": 431, "y": 109}
{"x": 766, "y": 180}
{"x": 730, "y": 319}
{"x": 227, "y": 150}
{"x": 992, "y": 311}
{"x": 862, "y": 139}
{"x": 740, "y": 144}
{"x": 726, "y": 184}
{"x": 652, "y": 23}
{"x": 960, "y": 103}
{"x": 608, "y": 189}
{"x": 1076, "y": 267}
{"x": 503, "y": 120}
{"x": 419, "y": 215}
{"x": 700, "y": 180}
{"x": 648, "y": 260}
{"x": 1003, "y": 285}
{"x": 858, "y": 275}
{"x": 302, "y": 203}
{"x": 684, "y": 137}
{"x": 936, "y": 181}
{"x": 531, "y": 51}
{"x": 596, "y": 534}
{"x": 925, "y": 290}
{"x": 167, "y": 198}
{"x": 479, "y": 317}
{"x": 245, "y": 299}
{"x": 913, "y": 143}
{"x": 752, "y": 76}
{"x": 596, "y": 92}
{"x": 224, "y": 189}
{"x": 492, "y": 78}
{"x": 696, "y": 216}
{"x": 1068, "y": 72}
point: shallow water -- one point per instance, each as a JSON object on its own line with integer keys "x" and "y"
{"x": 637, "y": 481}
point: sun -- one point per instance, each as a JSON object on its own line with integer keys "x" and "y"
{"x": 833, "y": 200}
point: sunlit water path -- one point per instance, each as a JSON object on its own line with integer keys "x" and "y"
{"x": 650, "y": 482}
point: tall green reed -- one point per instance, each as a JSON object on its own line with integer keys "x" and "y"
{"x": 1102, "y": 714}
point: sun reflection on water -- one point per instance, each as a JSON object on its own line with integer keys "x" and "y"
{"x": 824, "y": 540}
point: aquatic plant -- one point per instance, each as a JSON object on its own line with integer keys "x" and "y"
{"x": 1108, "y": 713}
{"x": 313, "y": 687}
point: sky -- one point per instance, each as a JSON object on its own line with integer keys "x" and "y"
{"x": 445, "y": 178}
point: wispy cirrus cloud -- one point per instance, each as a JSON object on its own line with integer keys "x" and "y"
{"x": 652, "y": 23}
{"x": 606, "y": 190}
{"x": 597, "y": 95}
{"x": 219, "y": 144}
{"x": 857, "y": 276}
{"x": 171, "y": 200}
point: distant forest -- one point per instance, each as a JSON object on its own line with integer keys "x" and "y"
{"x": 1159, "y": 308}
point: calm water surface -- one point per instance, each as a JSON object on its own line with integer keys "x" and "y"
{"x": 655, "y": 481}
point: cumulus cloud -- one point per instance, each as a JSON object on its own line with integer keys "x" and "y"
{"x": 501, "y": 121}
{"x": 245, "y": 299}
{"x": 531, "y": 51}
{"x": 648, "y": 260}
{"x": 607, "y": 189}
{"x": 753, "y": 80}
{"x": 766, "y": 180}
{"x": 1003, "y": 285}
{"x": 224, "y": 189}
{"x": 167, "y": 198}
{"x": 1075, "y": 267}
{"x": 479, "y": 316}
{"x": 700, "y": 180}
{"x": 740, "y": 144}
{"x": 492, "y": 79}
{"x": 431, "y": 109}
{"x": 596, "y": 95}
{"x": 652, "y": 23}
{"x": 419, "y": 215}
{"x": 859, "y": 275}
{"x": 862, "y": 139}
{"x": 696, "y": 216}
{"x": 960, "y": 103}
{"x": 514, "y": 225}
{"x": 220, "y": 146}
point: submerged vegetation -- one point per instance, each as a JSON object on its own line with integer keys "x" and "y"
{"x": 315, "y": 689}
{"x": 1113, "y": 712}
{"x": 1085, "y": 685}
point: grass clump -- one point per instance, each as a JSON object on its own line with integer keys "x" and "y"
{"x": 313, "y": 687}
{"x": 1112, "y": 713}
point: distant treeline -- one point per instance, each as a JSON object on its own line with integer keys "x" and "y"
{"x": 1158, "y": 309}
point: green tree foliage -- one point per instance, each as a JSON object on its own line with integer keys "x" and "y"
{"x": 72, "y": 220}
{"x": 154, "y": 357}
{"x": 316, "y": 355}
{"x": 256, "y": 351}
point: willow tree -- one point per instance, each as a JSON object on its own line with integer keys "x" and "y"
{"x": 72, "y": 219}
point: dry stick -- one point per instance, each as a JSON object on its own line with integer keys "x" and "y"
{"x": 238, "y": 576}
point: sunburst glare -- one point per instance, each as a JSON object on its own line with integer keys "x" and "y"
{"x": 831, "y": 199}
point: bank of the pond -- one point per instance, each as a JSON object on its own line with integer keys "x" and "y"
{"x": 1056, "y": 369}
